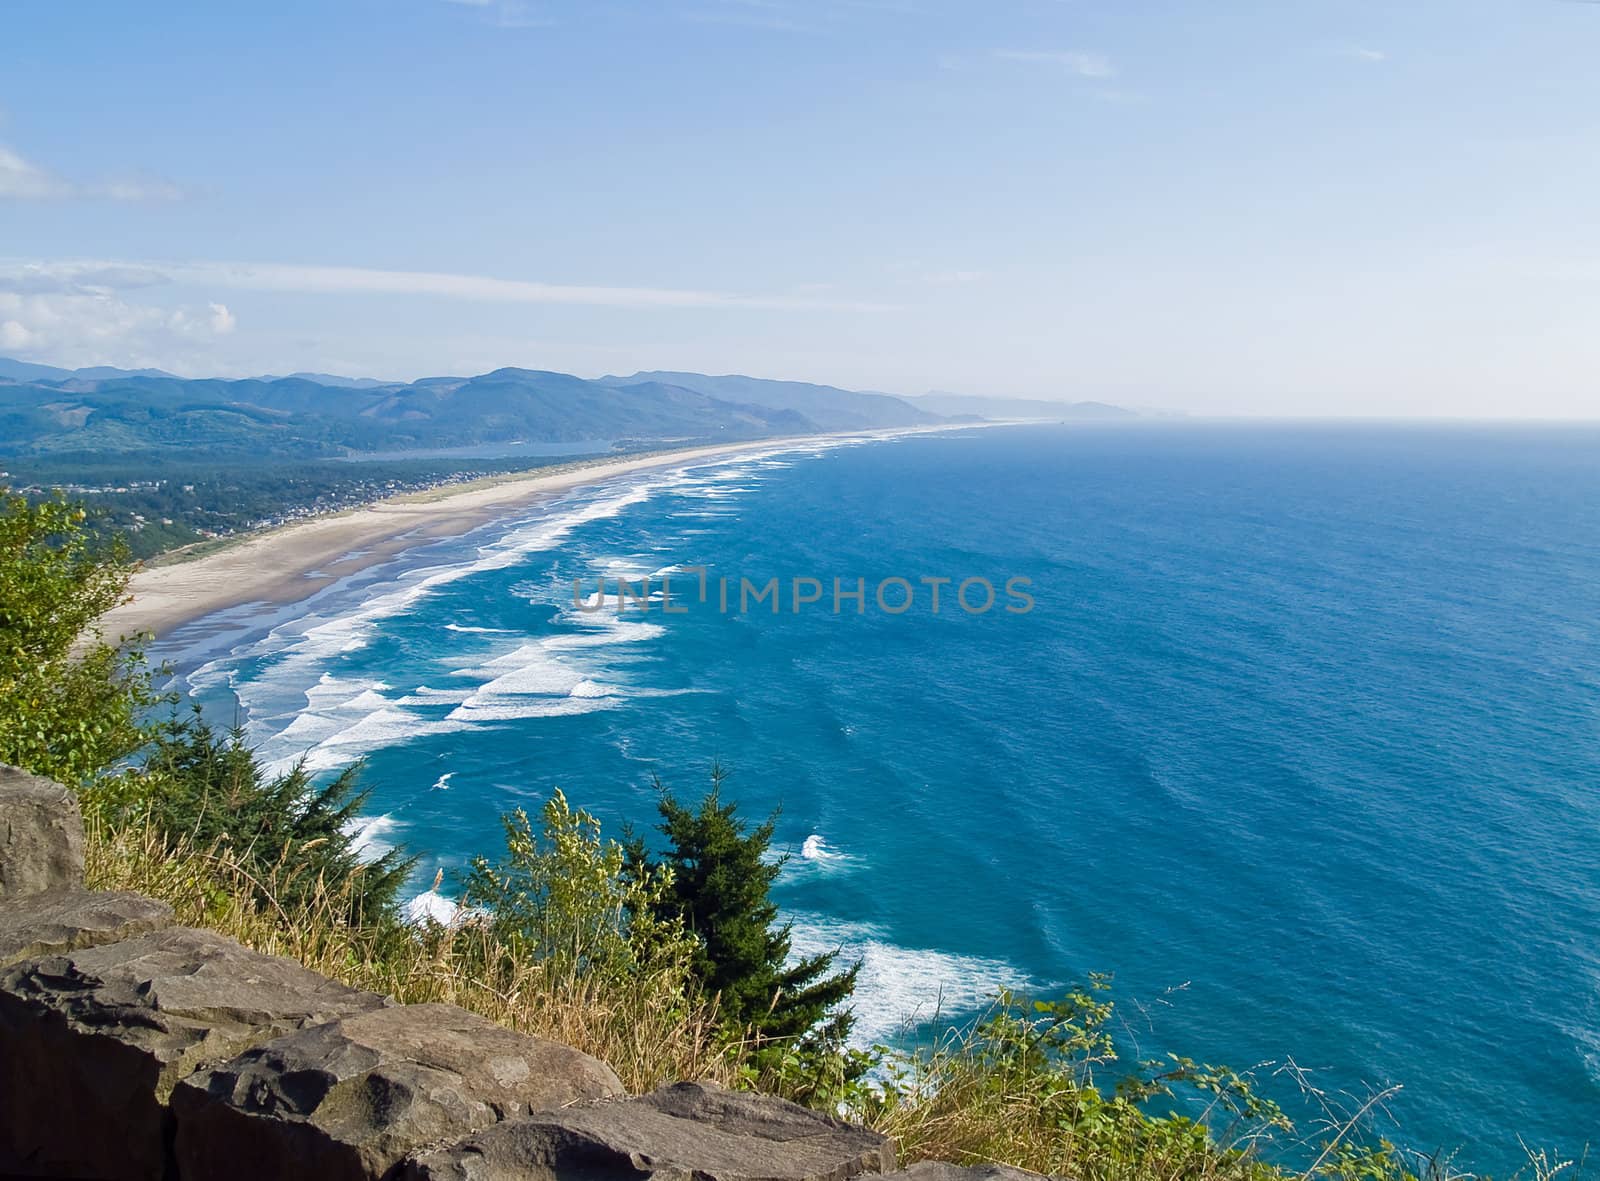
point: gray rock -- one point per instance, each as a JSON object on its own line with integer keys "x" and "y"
{"x": 684, "y": 1132}
{"x": 938, "y": 1171}
{"x": 67, "y": 920}
{"x": 41, "y": 835}
{"x": 93, "y": 1041}
{"x": 351, "y": 1098}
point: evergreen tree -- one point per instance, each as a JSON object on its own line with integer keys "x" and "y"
{"x": 294, "y": 838}
{"x": 721, "y": 890}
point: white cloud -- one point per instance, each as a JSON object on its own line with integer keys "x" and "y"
{"x": 507, "y": 14}
{"x": 15, "y": 336}
{"x": 22, "y": 180}
{"x": 93, "y": 276}
{"x": 76, "y": 279}
{"x": 1084, "y": 65}
{"x": 168, "y": 315}
{"x": 134, "y": 190}
{"x": 80, "y": 327}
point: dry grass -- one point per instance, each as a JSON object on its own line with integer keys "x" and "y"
{"x": 643, "y": 1027}
{"x": 955, "y": 1100}
{"x": 956, "y": 1103}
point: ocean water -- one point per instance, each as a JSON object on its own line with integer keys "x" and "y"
{"x": 1300, "y": 739}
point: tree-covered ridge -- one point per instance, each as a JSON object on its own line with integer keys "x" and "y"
{"x": 299, "y": 417}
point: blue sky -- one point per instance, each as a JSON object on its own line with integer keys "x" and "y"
{"x": 1291, "y": 207}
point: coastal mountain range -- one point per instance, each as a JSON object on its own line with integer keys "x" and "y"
{"x": 50, "y": 411}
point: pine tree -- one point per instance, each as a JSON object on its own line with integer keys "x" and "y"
{"x": 721, "y": 889}
{"x": 295, "y": 838}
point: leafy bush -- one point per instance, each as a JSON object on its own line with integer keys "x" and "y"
{"x": 71, "y": 703}
{"x": 565, "y": 898}
{"x": 1022, "y": 1085}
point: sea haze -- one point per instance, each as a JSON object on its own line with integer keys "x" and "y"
{"x": 1301, "y": 740}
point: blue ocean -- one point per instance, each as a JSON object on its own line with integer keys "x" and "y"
{"x": 1300, "y": 738}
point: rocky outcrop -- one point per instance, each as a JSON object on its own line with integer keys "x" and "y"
{"x": 133, "y": 1049}
{"x": 41, "y": 835}
{"x": 351, "y": 1098}
{"x": 688, "y": 1130}
{"x": 70, "y": 920}
{"x": 96, "y": 1039}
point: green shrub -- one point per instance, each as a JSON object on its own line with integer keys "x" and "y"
{"x": 71, "y": 703}
{"x": 566, "y": 898}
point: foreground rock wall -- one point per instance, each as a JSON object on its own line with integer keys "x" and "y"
{"x": 132, "y": 1049}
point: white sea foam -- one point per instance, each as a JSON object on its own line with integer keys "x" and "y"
{"x": 431, "y": 907}
{"x": 373, "y": 836}
{"x": 617, "y": 631}
{"x": 422, "y": 695}
{"x": 332, "y": 707}
{"x": 305, "y": 710}
{"x": 528, "y": 669}
{"x": 443, "y": 782}
{"x": 382, "y": 728}
{"x": 817, "y": 853}
{"x": 510, "y": 709}
{"x": 311, "y": 643}
{"x": 817, "y": 857}
{"x": 901, "y": 986}
{"x": 367, "y": 700}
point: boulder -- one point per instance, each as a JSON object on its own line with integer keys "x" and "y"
{"x": 93, "y": 1041}
{"x": 683, "y": 1131}
{"x": 67, "y": 920}
{"x": 349, "y": 1099}
{"x": 41, "y": 835}
{"x": 939, "y": 1171}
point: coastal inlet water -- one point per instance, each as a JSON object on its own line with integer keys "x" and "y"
{"x": 1300, "y": 740}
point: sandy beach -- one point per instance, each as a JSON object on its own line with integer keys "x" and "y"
{"x": 290, "y": 563}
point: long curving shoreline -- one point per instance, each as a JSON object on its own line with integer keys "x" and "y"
{"x": 292, "y": 562}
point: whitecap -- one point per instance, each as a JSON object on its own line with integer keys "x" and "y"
{"x": 814, "y": 848}
{"x": 431, "y": 907}
{"x": 293, "y": 702}
{"x": 900, "y": 987}
{"x": 423, "y": 695}
{"x": 511, "y": 709}
{"x": 816, "y": 856}
{"x": 372, "y": 836}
